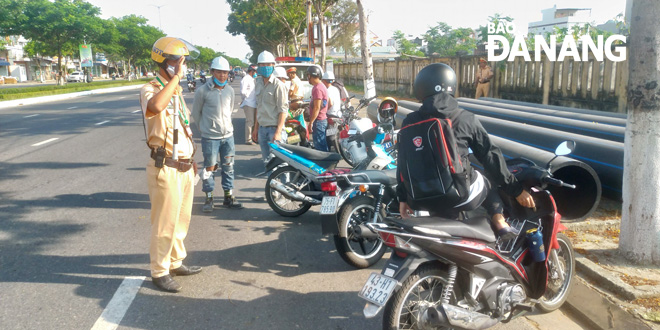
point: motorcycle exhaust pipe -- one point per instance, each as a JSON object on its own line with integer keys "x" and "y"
{"x": 363, "y": 231}
{"x": 446, "y": 314}
{"x": 295, "y": 195}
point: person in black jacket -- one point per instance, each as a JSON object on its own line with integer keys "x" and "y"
{"x": 435, "y": 86}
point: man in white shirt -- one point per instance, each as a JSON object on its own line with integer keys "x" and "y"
{"x": 249, "y": 104}
{"x": 334, "y": 107}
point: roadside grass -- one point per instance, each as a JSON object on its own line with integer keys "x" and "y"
{"x": 7, "y": 94}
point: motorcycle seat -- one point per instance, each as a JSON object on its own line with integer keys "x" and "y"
{"x": 472, "y": 228}
{"x": 331, "y": 115}
{"x": 313, "y": 155}
{"x": 386, "y": 177}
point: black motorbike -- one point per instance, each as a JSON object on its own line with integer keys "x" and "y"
{"x": 202, "y": 77}
{"x": 191, "y": 82}
{"x": 446, "y": 273}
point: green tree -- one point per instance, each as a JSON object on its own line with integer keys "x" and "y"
{"x": 345, "y": 18}
{"x": 322, "y": 8}
{"x": 442, "y": 40}
{"x": 496, "y": 21}
{"x": 292, "y": 15}
{"x": 60, "y": 26}
{"x": 254, "y": 20}
{"x": 136, "y": 38}
{"x": 405, "y": 46}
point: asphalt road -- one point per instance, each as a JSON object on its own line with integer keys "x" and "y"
{"x": 74, "y": 224}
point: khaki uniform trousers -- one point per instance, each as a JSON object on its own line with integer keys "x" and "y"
{"x": 171, "y": 195}
{"x": 250, "y": 115}
{"x": 482, "y": 90}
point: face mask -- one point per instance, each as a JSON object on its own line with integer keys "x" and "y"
{"x": 170, "y": 70}
{"x": 254, "y": 75}
{"x": 217, "y": 82}
{"x": 265, "y": 71}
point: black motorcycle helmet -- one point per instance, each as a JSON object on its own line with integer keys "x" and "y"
{"x": 314, "y": 71}
{"x": 434, "y": 78}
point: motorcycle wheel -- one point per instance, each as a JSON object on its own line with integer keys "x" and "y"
{"x": 357, "y": 251}
{"x": 420, "y": 291}
{"x": 344, "y": 153}
{"x": 288, "y": 176}
{"x": 558, "y": 289}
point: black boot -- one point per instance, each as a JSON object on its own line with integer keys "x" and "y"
{"x": 232, "y": 203}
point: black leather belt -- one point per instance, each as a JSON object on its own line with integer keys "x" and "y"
{"x": 182, "y": 165}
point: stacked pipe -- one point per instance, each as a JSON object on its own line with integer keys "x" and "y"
{"x": 511, "y": 136}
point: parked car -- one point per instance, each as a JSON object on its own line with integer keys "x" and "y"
{"x": 77, "y": 76}
{"x": 301, "y": 71}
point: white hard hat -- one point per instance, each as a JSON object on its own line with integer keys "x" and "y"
{"x": 220, "y": 63}
{"x": 328, "y": 75}
{"x": 266, "y": 57}
{"x": 280, "y": 72}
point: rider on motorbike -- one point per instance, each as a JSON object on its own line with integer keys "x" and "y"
{"x": 435, "y": 86}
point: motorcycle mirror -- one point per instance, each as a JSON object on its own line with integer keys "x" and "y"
{"x": 565, "y": 148}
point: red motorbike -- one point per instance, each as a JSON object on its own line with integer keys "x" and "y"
{"x": 456, "y": 274}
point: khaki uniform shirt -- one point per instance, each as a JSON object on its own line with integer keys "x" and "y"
{"x": 484, "y": 73}
{"x": 162, "y": 124}
{"x": 272, "y": 99}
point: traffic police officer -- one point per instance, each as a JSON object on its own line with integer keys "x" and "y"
{"x": 171, "y": 169}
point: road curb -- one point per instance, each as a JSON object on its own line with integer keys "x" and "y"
{"x": 594, "y": 309}
{"x": 58, "y": 97}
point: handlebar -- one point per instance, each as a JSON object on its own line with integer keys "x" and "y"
{"x": 557, "y": 182}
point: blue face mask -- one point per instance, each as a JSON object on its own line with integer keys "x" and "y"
{"x": 265, "y": 71}
{"x": 217, "y": 82}
{"x": 254, "y": 75}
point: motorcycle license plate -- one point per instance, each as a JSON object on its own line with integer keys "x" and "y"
{"x": 387, "y": 145}
{"x": 378, "y": 289}
{"x": 332, "y": 130}
{"x": 293, "y": 139}
{"x": 329, "y": 205}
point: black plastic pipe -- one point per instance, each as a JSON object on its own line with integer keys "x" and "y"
{"x": 531, "y": 109}
{"x": 612, "y": 118}
{"x": 601, "y": 131}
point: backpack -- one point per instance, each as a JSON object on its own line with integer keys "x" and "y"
{"x": 430, "y": 167}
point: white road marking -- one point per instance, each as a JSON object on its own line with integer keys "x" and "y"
{"x": 122, "y": 97}
{"x": 44, "y": 142}
{"x": 138, "y": 110}
{"x": 101, "y": 123}
{"x": 235, "y": 111}
{"x": 99, "y": 102}
{"x": 71, "y": 108}
{"x": 118, "y": 305}
{"x": 36, "y": 114}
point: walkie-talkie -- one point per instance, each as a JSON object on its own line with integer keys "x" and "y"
{"x": 160, "y": 157}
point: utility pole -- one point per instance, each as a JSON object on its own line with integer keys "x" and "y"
{"x": 160, "y": 25}
{"x": 367, "y": 64}
{"x": 640, "y": 215}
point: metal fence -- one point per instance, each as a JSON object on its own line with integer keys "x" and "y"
{"x": 598, "y": 85}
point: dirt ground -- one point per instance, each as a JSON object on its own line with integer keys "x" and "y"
{"x": 601, "y": 247}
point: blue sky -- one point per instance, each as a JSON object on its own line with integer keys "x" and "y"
{"x": 204, "y": 22}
